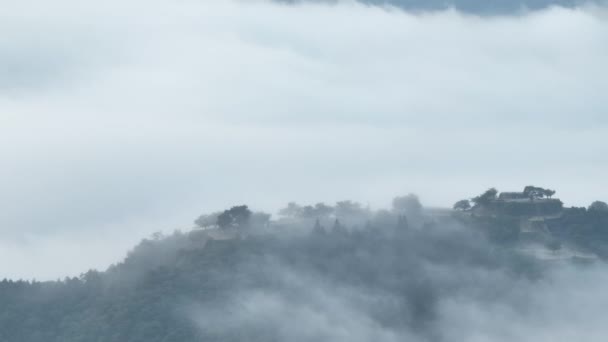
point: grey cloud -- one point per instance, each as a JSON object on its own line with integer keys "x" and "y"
{"x": 492, "y": 7}
{"x": 126, "y": 110}
{"x": 439, "y": 285}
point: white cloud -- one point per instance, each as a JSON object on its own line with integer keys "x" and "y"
{"x": 129, "y": 110}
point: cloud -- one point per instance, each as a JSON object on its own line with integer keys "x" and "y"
{"x": 490, "y": 7}
{"x": 440, "y": 285}
{"x": 127, "y": 110}
{"x": 565, "y": 306}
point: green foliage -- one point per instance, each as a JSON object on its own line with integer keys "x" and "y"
{"x": 502, "y": 230}
{"x": 462, "y": 205}
{"x": 598, "y": 206}
{"x": 207, "y": 220}
{"x": 187, "y": 286}
{"x": 235, "y": 217}
{"x": 408, "y": 204}
{"x": 485, "y": 198}
{"x": 534, "y": 192}
{"x": 528, "y": 208}
{"x": 317, "y": 211}
{"x": 155, "y": 295}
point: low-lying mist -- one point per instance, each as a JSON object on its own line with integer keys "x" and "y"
{"x": 388, "y": 279}
{"x": 342, "y": 272}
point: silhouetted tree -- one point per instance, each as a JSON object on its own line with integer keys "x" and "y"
{"x": 486, "y": 197}
{"x": 409, "y": 204}
{"x": 318, "y": 228}
{"x": 338, "y": 228}
{"x": 599, "y": 206}
{"x": 234, "y": 217}
{"x": 348, "y": 209}
{"x": 462, "y": 205}
{"x": 207, "y": 220}
{"x": 292, "y": 210}
{"x": 549, "y": 193}
{"x": 260, "y": 219}
{"x": 323, "y": 210}
{"x": 402, "y": 223}
{"x": 534, "y": 192}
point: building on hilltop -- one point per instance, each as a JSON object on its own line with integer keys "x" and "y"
{"x": 519, "y": 204}
{"x": 532, "y": 208}
{"x": 507, "y": 196}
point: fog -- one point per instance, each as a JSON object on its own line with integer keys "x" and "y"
{"x": 487, "y": 8}
{"x": 332, "y": 272}
{"x": 125, "y": 118}
{"x": 565, "y": 306}
{"x": 440, "y": 284}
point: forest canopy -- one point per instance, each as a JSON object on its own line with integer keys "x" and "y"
{"x": 241, "y": 276}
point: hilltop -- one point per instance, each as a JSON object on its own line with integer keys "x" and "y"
{"x": 533, "y": 216}
{"x": 320, "y": 272}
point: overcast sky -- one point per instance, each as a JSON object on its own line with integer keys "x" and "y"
{"x": 128, "y": 117}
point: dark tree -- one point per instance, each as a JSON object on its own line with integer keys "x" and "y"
{"x": 348, "y": 209}
{"x": 292, "y": 210}
{"x": 486, "y": 197}
{"x": 235, "y": 217}
{"x": 403, "y": 223}
{"x": 207, "y": 220}
{"x": 319, "y": 210}
{"x": 534, "y": 192}
{"x": 260, "y": 219}
{"x": 462, "y": 205}
{"x": 407, "y": 204}
{"x": 599, "y": 206}
{"x": 549, "y": 193}
{"x": 338, "y": 228}
{"x": 323, "y": 210}
{"x": 318, "y": 228}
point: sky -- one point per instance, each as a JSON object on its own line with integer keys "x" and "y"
{"x": 129, "y": 117}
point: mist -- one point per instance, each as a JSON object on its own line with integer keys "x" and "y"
{"x": 383, "y": 279}
{"x": 400, "y": 273}
{"x": 565, "y": 304}
{"x": 124, "y": 118}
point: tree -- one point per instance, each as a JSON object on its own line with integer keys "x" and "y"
{"x": 317, "y": 211}
{"x": 292, "y": 210}
{"x": 319, "y": 229}
{"x": 409, "y": 204}
{"x": 260, "y": 219}
{"x": 323, "y": 210}
{"x": 462, "y": 205}
{"x": 383, "y": 218}
{"x": 599, "y": 206}
{"x": 348, "y": 209}
{"x": 207, "y": 220}
{"x": 338, "y": 228}
{"x": 235, "y": 217}
{"x": 402, "y": 223}
{"x": 534, "y": 192}
{"x": 486, "y": 197}
{"x": 549, "y": 193}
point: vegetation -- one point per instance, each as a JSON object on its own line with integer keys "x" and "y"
{"x": 486, "y": 197}
{"x": 177, "y": 297}
{"x": 462, "y": 205}
{"x": 534, "y": 192}
{"x": 393, "y": 266}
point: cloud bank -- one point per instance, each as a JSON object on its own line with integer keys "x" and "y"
{"x": 488, "y": 7}
{"x": 131, "y": 111}
{"x": 439, "y": 286}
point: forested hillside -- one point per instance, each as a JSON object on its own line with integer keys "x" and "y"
{"x": 308, "y": 276}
